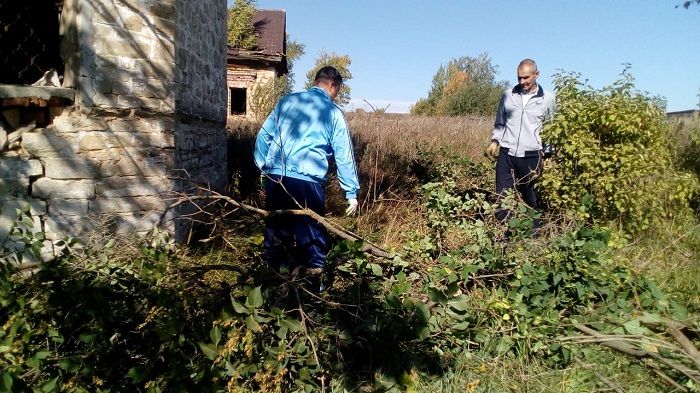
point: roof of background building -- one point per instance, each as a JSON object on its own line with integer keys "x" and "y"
{"x": 270, "y": 27}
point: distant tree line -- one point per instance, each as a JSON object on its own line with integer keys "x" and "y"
{"x": 464, "y": 86}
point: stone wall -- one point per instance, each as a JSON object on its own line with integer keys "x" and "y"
{"x": 147, "y": 121}
{"x": 200, "y": 51}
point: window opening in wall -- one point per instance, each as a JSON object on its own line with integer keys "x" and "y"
{"x": 238, "y": 101}
{"x": 30, "y": 41}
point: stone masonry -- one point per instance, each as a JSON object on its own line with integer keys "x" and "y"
{"x": 147, "y": 120}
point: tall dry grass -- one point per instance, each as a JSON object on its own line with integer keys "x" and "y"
{"x": 395, "y": 153}
{"x": 407, "y": 135}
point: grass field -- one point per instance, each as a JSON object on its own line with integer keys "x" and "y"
{"x": 396, "y": 154}
{"x": 463, "y": 303}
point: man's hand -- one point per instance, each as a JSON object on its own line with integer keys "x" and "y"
{"x": 352, "y": 207}
{"x": 492, "y": 150}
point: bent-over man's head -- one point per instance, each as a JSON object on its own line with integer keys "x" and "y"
{"x": 329, "y": 79}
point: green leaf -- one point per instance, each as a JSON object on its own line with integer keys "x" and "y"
{"x": 137, "y": 374}
{"x": 376, "y": 269}
{"x": 209, "y": 350}
{"x": 255, "y": 298}
{"x": 49, "y": 386}
{"x": 87, "y": 338}
{"x": 459, "y": 304}
{"x": 423, "y": 311}
{"x": 33, "y": 362}
{"x": 252, "y": 324}
{"x": 291, "y": 324}
{"x": 6, "y": 382}
{"x": 461, "y": 325}
{"x": 239, "y": 308}
{"x": 437, "y": 295}
{"x": 70, "y": 365}
{"x": 423, "y": 332}
{"x": 504, "y": 344}
{"x": 634, "y": 327}
{"x": 215, "y": 335}
{"x": 281, "y": 333}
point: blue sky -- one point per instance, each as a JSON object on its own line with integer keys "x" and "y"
{"x": 397, "y": 46}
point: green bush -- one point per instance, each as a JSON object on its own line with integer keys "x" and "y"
{"x": 614, "y": 161}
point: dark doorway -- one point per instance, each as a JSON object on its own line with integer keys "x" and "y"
{"x": 238, "y": 101}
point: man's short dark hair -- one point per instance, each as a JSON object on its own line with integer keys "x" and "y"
{"x": 328, "y": 74}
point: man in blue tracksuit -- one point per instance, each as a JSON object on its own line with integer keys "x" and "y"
{"x": 522, "y": 112}
{"x": 292, "y": 150}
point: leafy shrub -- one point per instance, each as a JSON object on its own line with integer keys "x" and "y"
{"x": 687, "y": 134}
{"x": 614, "y": 161}
{"x": 264, "y": 96}
{"x": 101, "y": 322}
{"x": 513, "y": 297}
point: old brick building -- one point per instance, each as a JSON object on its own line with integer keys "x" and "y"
{"x": 248, "y": 70}
{"x": 138, "y": 117}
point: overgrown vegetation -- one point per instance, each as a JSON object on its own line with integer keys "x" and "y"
{"x": 463, "y": 303}
{"x": 264, "y": 95}
{"x": 614, "y": 158}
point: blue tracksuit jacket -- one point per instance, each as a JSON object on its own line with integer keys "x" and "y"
{"x": 299, "y": 137}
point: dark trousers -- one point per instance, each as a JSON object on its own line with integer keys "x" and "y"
{"x": 292, "y": 241}
{"x": 519, "y": 173}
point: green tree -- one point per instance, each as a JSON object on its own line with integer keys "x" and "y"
{"x": 686, "y": 4}
{"x": 241, "y": 33}
{"x": 265, "y": 95}
{"x": 466, "y": 85}
{"x": 295, "y": 50}
{"x": 342, "y": 64}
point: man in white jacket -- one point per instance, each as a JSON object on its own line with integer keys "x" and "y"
{"x": 522, "y": 112}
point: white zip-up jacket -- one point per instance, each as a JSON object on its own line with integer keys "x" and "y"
{"x": 517, "y": 126}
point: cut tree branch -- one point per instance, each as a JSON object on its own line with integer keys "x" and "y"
{"x": 624, "y": 347}
{"x": 367, "y": 246}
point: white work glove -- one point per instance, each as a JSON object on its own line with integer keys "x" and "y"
{"x": 492, "y": 150}
{"x": 352, "y": 207}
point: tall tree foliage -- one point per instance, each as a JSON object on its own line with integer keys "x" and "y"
{"x": 688, "y": 3}
{"x": 241, "y": 33}
{"x": 265, "y": 95}
{"x": 465, "y": 86}
{"x": 295, "y": 50}
{"x": 342, "y": 64}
